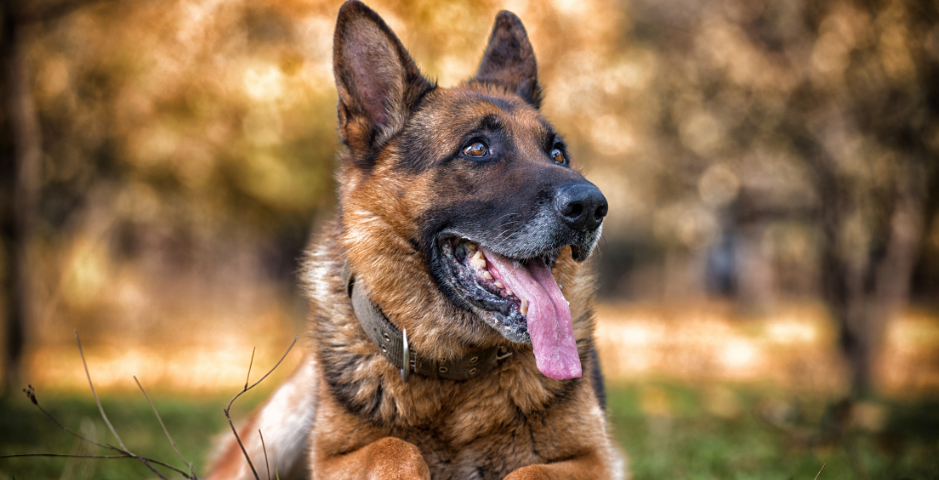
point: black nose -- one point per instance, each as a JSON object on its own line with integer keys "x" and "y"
{"x": 582, "y": 206}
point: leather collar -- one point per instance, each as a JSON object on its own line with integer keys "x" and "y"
{"x": 394, "y": 345}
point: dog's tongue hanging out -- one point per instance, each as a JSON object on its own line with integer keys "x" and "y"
{"x": 549, "y": 315}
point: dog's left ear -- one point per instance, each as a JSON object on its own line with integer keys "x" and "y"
{"x": 509, "y": 61}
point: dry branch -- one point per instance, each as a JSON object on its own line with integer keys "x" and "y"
{"x": 247, "y": 387}
{"x": 97, "y": 400}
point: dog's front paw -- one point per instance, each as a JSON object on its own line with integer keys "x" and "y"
{"x": 531, "y": 472}
{"x": 393, "y": 458}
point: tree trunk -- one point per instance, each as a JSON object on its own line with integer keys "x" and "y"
{"x": 862, "y": 312}
{"x": 23, "y": 206}
{"x": 893, "y": 274}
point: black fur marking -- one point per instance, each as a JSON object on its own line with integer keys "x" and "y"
{"x": 596, "y": 377}
{"x": 505, "y": 105}
{"x": 377, "y": 399}
{"x": 336, "y": 370}
{"x": 563, "y": 394}
{"x": 490, "y": 123}
{"x": 366, "y": 162}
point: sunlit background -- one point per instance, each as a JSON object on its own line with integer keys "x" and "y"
{"x": 768, "y": 274}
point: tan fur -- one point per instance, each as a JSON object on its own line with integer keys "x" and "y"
{"x": 512, "y": 422}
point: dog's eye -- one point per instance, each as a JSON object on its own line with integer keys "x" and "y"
{"x": 558, "y": 156}
{"x": 476, "y": 149}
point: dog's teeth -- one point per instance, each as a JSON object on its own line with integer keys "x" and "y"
{"x": 524, "y": 307}
{"x": 471, "y": 246}
{"x": 508, "y": 292}
{"x": 497, "y": 284}
{"x": 479, "y": 260}
{"x": 487, "y": 275}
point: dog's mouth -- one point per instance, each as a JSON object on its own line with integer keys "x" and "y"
{"x": 518, "y": 297}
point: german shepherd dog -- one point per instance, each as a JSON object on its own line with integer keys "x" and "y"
{"x": 451, "y": 330}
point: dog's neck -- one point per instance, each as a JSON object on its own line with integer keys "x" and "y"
{"x": 393, "y": 344}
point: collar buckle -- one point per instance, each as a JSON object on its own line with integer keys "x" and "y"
{"x": 503, "y": 354}
{"x": 406, "y": 368}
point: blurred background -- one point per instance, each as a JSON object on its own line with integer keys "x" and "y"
{"x": 769, "y": 271}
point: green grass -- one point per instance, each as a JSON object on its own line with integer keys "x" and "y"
{"x": 192, "y": 422}
{"x": 689, "y": 442}
{"x": 684, "y": 436}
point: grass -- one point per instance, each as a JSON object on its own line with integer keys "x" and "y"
{"x": 668, "y": 431}
{"x": 675, "y": 431}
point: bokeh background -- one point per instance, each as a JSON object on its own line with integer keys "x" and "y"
{"x": 768, "y": 275}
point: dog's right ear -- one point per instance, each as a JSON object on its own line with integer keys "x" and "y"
{"x": 377, "y": 80}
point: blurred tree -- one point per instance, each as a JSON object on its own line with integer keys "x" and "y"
{"x": 828, "y": 113}
{"x": 866, "y": 123}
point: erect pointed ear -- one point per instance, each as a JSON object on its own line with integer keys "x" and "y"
{"x": 377, "y": 80}
{"x": 509, "y": 61}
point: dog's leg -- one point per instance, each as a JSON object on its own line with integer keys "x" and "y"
{"x": 387, "y": 458}
{"x": 285, "y": 419}
{"x": 591, "y": 465}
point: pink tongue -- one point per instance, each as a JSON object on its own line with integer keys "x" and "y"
{"x": 549, "y": 315}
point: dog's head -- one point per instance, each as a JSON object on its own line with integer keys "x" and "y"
{"x": 457, "y": 204}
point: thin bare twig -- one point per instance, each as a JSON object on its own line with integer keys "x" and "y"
{"x": 105, "y": 417}
{"x": 31, "y": 393}
{"x": 228, "y": 408}
{"x": 250, "y": 364}
{"x": 820, "y": 470}
{"x": 100, "y": 408}
{"x": 168, "y": 437}
{"x": 267, "y": 462}
{"x": 295, "y": 338}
